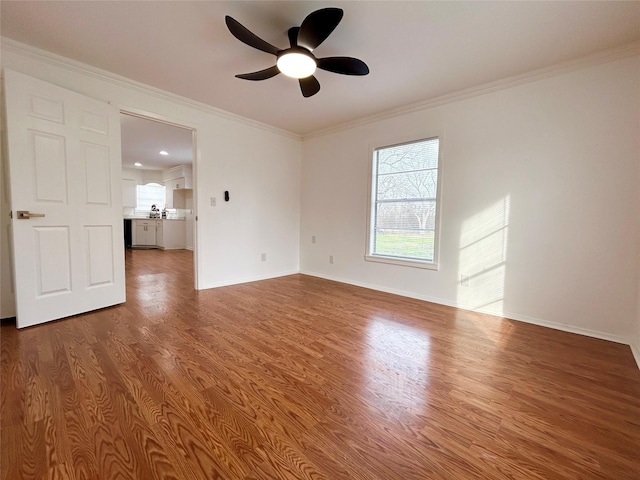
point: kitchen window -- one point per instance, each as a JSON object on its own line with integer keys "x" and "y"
{"x": 404, "y": 213}
{"x": 148, "y": 195}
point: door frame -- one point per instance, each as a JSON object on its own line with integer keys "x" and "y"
{"x": 154, "y": 117}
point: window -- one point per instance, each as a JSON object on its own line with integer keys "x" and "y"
{"x": 404, "y": 204}
{"x": 150, "y": 194}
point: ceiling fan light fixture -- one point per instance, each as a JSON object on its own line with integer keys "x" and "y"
{"x": 295, "y": 63}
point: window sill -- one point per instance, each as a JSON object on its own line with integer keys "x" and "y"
{"x": 402, "y": 262}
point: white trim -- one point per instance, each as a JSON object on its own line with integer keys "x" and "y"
{"x": 371, "y": 192}
{"x": 605, "y": 56}
{"x": 509, "y": 316}
{"x": 248, "y": 279}
{"x": 59, "y": 61}
{"x": 405, "y": 262}
{"x": 195, "y": 163}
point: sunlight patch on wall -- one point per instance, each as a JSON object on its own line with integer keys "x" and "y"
{"x": 397, "y": 366}
{"x": 483, "y": 259}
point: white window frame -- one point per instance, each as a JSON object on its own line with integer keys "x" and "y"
{"x": 393, "y": 260}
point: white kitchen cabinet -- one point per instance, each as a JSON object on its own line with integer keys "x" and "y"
{"x": 168, "y": 193}
{"x": 145, "y": 232}
{"x": 178, "y": 183}
{"x": 159, "y": 233}
{"x": 182, "y": 182}
{"x": 129, "y": 193}
{"x": 173, "y": 234}
{"x": 176, "y": 190}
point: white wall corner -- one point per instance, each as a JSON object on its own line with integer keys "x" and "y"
{"x": 238, "y": 281}
{"x": 635, "y": 349}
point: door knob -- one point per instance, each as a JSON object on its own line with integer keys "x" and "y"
{"x": 26, "y": 214}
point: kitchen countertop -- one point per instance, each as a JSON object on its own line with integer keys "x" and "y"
{"x": 147, "y": 218}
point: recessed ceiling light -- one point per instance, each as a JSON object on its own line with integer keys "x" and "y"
{"x": 138, "y": 164}
{"x": 164, "y": 152}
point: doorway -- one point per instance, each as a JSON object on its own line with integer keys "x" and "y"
{"x": 159, "y": 156}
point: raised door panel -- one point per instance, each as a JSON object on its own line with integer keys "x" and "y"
{"x": 100, "y": 259}
{"x": 152, "y": 238}
{"x": 94, "y": 121}
{"x": 49, "y": 158}
{"x": 97, "y": 174}
{"x": 46, "y": 108}
{"x": 52, "y": 260}
{"x": 139, "y": 235}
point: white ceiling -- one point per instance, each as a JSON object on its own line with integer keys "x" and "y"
{"x": 416, "y": 50}
{"x": 143, "y": 139}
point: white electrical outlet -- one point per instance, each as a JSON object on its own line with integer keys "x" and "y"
{"x": 330, "y": 258}
{"x": 263, "y": 257}
{"x": 464, "y": 280}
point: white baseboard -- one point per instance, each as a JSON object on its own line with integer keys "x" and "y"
{"x": 509, "y": 315}
{"x": 237, "y": 281}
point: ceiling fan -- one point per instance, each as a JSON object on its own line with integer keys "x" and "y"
{"x": 297, "y": 61}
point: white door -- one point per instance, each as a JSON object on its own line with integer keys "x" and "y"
{"x": 64, "y": 163}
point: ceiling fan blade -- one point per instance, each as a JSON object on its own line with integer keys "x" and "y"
{"x": 318, "y": 26}
{"x": 343, "y": 65}
{"x": 293, "y": 36}
{"x": 309, "y": 86}
{"x": 245, "y": 36}
{"x": 260, "y": 75}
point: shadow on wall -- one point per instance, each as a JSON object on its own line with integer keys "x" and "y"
{"x": 483, "y": 259}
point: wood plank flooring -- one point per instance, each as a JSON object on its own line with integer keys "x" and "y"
{"x": 304, "y": 378}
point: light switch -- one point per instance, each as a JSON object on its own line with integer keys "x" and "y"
{"x": 213, "y": 201}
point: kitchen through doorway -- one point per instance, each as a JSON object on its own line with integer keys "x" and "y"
{"x": 158, "y": 186}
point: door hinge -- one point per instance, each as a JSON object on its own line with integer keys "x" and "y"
{"x": 10, "y": 213}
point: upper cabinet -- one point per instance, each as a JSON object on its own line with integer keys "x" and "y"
{"x": 129, "y": 193}
{"x": 177, "y": 180}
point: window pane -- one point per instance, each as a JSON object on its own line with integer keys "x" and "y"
{"x": 405, "y": 185}
{"x": 404, "y": 210}
{"x": 150, "y": 194}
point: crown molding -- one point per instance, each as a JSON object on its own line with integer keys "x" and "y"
{"x": 44, "y": 56}
{"x": 605, "y": 56}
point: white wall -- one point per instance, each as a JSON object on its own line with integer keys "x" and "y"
{"x": 259, "y": 165}
{"x": 539, "y": 201}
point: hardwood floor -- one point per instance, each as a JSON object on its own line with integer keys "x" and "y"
{"x": 304, "y": 378}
